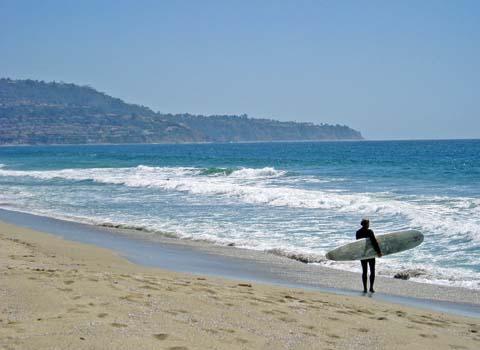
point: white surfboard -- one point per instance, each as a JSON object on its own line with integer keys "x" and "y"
{"x": 389, "y": 243}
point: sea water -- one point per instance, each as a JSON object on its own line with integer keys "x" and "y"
{"x": 295, "y": 199}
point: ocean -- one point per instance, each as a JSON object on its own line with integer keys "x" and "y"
{"x": 297, "y": 199}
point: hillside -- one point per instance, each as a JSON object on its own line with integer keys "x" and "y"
{"x": 35, "y": 112}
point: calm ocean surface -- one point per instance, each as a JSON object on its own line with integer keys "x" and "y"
{"x": 302, "y": 198}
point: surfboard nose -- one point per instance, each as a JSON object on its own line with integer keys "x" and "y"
{"x": 418, "y": 237}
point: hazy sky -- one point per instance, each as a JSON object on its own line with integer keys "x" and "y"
{"x": 391, "y": 69}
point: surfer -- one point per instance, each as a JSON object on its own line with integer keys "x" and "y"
{"x": 365, "y": 232}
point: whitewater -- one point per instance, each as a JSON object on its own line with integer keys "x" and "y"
{"x": 297, "y": 200}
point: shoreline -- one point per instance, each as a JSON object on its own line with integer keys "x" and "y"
{"x": 236, "y": 263}
{"x": 180, "y": 143}
{"x": 63, "y": 294}
{"x": 239, "y": 142}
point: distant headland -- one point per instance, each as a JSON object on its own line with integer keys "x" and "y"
{"x": 37, "y": 112}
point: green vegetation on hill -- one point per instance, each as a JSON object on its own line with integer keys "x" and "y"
{"x": 35, "y": 112}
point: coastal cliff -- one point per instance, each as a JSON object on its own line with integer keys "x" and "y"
{"x": 36, "y": 112}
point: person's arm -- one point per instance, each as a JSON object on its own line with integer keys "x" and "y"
{"x": 375, "y": 243}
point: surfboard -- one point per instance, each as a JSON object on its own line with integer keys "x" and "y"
{"x": 389, "y": 243}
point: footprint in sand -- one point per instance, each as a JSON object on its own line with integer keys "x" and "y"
{"x": 132, "y": 297}
{"x": 347, "y": 312}
{"x": 102, "y": 315}
{"x": 149, "y": 287}
{"x": 181, "y": 311}
{"x": 213, "y": 331}
{"x": 331, "y": 335}
{"x": 311, "y": 327}
{"x": 227, "y": 330}
{"x": 118, "y": 325}
{"x": 245, "y": 285}
{"x": 266, "y": 301}
{"x": 241, "y": 340}
{"x": 206, "y": 290}
{"x": 178, "y": 348}
{"x": 428, "y": 336}
{"x": 362, "y": 311}
{"x": 161, "y": 336}
{"x": 287, "y": 319}
{"x": 183, "y": 284}
{"x": 440, "y": 324}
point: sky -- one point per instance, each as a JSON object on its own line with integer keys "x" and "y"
{"x": 390, "y": 69}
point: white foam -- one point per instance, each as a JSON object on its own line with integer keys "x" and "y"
{"x": 249, "y": 173}
{"x": 448, "y": 216}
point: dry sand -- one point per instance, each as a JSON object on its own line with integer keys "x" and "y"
{"x": 57, "y": 294}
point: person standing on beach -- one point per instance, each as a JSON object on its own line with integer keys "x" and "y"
{"x": 365, "y": 232}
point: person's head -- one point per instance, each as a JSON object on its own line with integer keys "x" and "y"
{"x": 365, "y": 223}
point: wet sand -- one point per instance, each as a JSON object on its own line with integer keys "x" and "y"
{"x": 61, "y": 294}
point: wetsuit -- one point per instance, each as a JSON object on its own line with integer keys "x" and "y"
{"x": 367, "y": 233}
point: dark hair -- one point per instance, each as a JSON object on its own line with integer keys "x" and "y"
{"x": 364, "y": 222}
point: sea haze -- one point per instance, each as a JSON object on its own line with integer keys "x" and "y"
{"x": 293, "y": 199}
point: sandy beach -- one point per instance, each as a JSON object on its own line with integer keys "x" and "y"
{"x": 58, "y": 294}
{"x": 213, "y": 175}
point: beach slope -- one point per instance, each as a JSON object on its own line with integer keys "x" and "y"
{"x": 60, "y": 294}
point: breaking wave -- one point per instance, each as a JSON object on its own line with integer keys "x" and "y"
{"x": 449, "y": 215}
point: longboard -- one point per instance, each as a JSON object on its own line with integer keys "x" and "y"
{"x": 389, "y": 243}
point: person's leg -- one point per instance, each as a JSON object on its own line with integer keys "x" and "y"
{"x": 364, "y": 275}
{"x": 371, "y": 263}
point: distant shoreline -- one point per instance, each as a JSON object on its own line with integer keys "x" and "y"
{"x": 236, "y": 142}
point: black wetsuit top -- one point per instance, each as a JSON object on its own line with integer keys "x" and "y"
{"x": 367, "y": 233}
